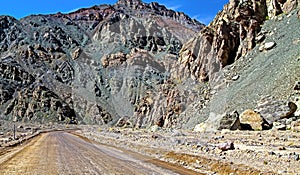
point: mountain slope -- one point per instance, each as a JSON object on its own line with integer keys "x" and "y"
{"x": 93, "y": 65}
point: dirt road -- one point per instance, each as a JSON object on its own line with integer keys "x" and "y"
{"x": 64, "y": 153}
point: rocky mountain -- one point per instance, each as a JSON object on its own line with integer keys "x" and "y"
{"x": 93, "y": 65}
{"x": 137, "y": 64}
{"x": 251, "y": 62}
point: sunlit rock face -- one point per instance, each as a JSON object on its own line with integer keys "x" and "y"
{"x": 228, "y": 37}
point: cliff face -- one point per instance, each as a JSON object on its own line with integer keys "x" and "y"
{"x": 228, "y": 37}
{"x": 93, "y": 65}
{"x": 231, "y": 35}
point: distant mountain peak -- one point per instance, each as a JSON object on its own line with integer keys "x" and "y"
{"x": 129, "y": 2}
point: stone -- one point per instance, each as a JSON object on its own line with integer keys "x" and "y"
{"x": 281, "y": 148}
{"x": 298, "y": 14}
{"x": 269, "y": 45}
{"x": 251, "y": 120}
{"x": 230, "y": 121}
{"x": 226, "y": 146}
{"x": 261, "y": 48}
{"x": 296, "y": 157}
{"x": 76, "y": 53}
{"x": 273, "y": 110}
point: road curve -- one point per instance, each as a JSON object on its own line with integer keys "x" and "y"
{"x": 64, "y": 154}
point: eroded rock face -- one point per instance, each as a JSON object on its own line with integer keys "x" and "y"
{"x": 228, "y": 37}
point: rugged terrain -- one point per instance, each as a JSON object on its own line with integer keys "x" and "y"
{"x": 130, "y": 63}
{"x": 157, "y": 82}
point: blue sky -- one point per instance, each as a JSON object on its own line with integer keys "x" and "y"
{"x": 202, "y": 10}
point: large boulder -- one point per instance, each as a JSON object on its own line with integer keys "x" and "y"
{"x": 252, "y": 120}
{"x": 273, "y": 110}
{"x": 230, "y": 121}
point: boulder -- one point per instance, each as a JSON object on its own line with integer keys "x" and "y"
{"x": 230, "y": 121}
{"x": 251, "y": 120}
{"x": 273, "y": 110}
{"x": 267, "y": 46}
{"x": 154, "y": 128}
{"x": 76, "y": 53}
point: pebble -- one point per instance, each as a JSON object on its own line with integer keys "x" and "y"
{"x": 226, "y": 146}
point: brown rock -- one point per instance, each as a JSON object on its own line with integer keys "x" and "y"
{"x": 220, "y": 44}
{"x": 251, "y": 120}
{"x": 113, "y": 59}
{"x": 230, "y": 121}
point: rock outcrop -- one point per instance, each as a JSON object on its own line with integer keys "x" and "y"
{"x": 228, "y": 37}
{"x": 231, "y": 35}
